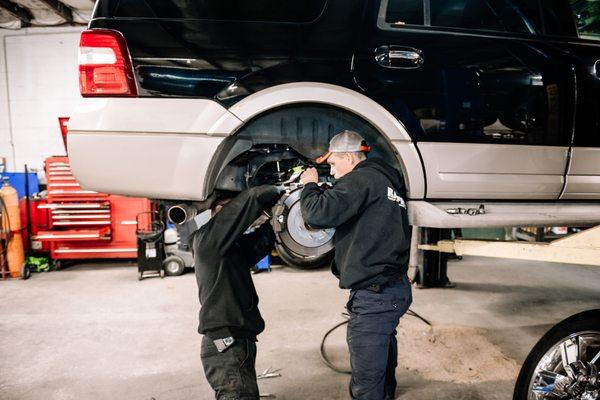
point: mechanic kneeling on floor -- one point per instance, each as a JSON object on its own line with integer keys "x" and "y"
{"x": 229, "y": 317}
{"x": 372, "y": 240}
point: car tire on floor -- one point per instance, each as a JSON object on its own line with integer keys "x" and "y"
{"x": 574, "y": 345}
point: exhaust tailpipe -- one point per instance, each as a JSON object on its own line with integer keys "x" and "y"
{"x": 181, "y": 213}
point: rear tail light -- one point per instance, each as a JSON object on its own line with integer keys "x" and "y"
{"x": 105, "y": 65}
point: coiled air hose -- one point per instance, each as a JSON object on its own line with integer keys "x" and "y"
{"x": 328, "y": 362}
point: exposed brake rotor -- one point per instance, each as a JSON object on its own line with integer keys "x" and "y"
{"x": 293, "y": 233}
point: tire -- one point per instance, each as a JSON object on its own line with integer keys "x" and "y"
{"x": 303, "y": 262}
{"x": 25, "y": 271}
{"x": 584, "y": 328}
{"x": 174, "y": 266}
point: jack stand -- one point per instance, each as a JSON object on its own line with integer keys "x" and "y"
{"x": 433, "y": 273}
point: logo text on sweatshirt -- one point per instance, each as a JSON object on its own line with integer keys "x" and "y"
{"x": 393, "y": 196}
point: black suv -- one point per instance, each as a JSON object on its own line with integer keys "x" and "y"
{"x": 473, "y": 100}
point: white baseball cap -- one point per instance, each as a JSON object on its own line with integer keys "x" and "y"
{"x": 345, "y": 142}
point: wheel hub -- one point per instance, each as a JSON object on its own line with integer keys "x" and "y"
{"x": 585, "y": 385}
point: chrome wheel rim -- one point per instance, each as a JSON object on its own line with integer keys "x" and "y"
{"x": 555, "y": 372}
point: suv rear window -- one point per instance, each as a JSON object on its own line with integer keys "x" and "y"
{"x": 520, "y": 16}
{"x": 299, "y": 11}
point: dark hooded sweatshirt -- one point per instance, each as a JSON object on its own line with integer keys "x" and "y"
{"x": 223, "y": 256}
{"x": 368, "y": 210}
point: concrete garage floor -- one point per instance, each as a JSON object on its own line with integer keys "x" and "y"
{"x": 95, "y": 332}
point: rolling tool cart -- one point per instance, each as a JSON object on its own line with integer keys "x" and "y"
{"x": 150, "y": 244}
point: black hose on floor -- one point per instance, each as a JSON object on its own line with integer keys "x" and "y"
{"x": 326, "y": 360}
{"x": 324, "y": 357}
{"x": 414, "y": 314}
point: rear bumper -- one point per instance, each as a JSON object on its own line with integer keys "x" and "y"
{"x": 155, "y": 148}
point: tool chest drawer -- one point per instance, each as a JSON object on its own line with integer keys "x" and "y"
{"x": 83, "y": 224}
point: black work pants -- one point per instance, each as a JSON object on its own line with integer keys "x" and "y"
{"x": 232, "y": 373}
{"x": 371, "y": 338}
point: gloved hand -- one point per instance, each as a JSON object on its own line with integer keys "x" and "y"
{"x": 280, "y": 189}
{"x": 267, "y": 195}
{"x": 310, "y": 175}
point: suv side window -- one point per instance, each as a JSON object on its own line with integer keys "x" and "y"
{"x": 572, "y": 18}
{"x": 559, "y": 19}
{"x": 230, "y": 10}
{"x": 519, "y": 16}
{"x": 587, "y": 15}
{"x": 404, "y": 12}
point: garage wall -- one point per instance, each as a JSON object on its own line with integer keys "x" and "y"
{"x": 38, "y": 84}
{"x": 5, "y": 142}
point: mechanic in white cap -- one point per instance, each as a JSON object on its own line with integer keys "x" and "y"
{"x": 346, "y": 150}
{"x": 372, "y": 240}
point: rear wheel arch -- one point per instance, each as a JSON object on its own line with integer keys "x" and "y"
{"x": 305, "y": 116}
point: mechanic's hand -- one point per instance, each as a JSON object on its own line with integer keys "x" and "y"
{"x": 310, "y": 175}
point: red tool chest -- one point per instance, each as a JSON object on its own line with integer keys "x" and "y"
{"x": 39, "y": 222}
{"x": 82, "y": 224}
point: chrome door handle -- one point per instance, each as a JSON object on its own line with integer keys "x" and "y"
{"x": 404, "y": 55}
{"x": 399, "y": 57}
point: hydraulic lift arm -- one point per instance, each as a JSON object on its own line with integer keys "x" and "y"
{"x": 580, "y": 248}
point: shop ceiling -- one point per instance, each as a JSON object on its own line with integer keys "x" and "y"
{"x": 17, "y": 14}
